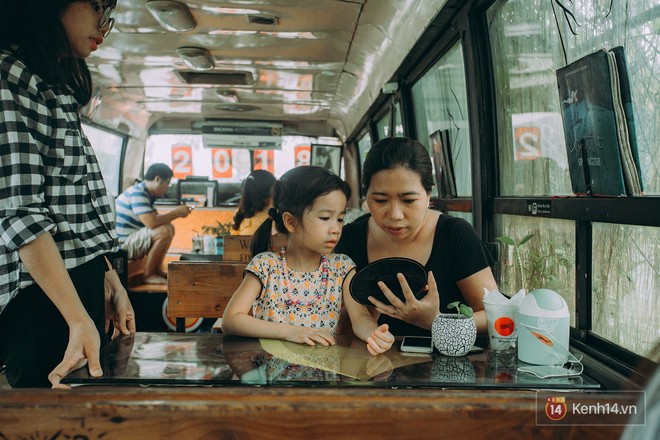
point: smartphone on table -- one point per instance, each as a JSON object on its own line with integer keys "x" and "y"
{"x": 417, "y": 344}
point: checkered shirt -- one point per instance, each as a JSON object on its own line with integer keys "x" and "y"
{"x": 50, "y": 179}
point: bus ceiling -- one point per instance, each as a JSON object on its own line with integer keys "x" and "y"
{"x": 314, "y": 65}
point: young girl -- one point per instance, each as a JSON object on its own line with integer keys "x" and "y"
{"x": 296, "y": 294}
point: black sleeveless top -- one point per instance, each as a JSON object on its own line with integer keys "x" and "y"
{"x": 457, "y": 253}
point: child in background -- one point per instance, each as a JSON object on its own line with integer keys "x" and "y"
{"x": 296, "y": 294}
{"x": 255, "y": 201}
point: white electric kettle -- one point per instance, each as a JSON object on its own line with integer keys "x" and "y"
{"x": 543, "y": 328}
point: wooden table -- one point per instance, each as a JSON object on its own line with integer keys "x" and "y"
{"x": 363, "y": 410}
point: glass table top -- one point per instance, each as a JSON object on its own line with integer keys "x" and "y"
{"x": 212, "y": 359}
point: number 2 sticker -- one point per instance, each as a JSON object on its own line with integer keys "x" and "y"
{"x": 182, "y": 161}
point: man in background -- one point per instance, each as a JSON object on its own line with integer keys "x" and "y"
{"x": 141, "y": 230}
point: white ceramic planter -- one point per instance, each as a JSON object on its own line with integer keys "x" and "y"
{"x": 453, "y": 334}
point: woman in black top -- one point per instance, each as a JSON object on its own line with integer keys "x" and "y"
{"x": 397, "y": 179}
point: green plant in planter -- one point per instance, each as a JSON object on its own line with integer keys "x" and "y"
{"x": 461, "y": 309}
{"x": 508, "y": 241}
{"x": 219, "y": 229}
{"x": 453, "y": 334}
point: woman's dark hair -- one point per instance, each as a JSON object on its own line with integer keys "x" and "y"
{"x": 295, "y": 192}
{"x": 255, "y": 193}
{"x": 390, "y": 153}
{"x": 34, "y": 29}
{"x": 158, "y": 170}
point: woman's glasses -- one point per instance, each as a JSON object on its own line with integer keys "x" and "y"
{"x": 105, "y": 21}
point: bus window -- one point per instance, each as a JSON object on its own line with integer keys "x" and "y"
{"x": 532, "y": 155}
{"x": 440, "y": 101}
{"x": 526, "y": 52}
{"x": 187, "y": 156}
{"x": 108, "y": 147}
{"x": 398, "y": 124}
{"x": 625, "y": 302}
{"x": 383, "y": 124}
{"x": 547, "y": 260}
{"x": 364, "y": 144}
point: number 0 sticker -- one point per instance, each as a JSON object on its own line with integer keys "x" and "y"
{"x": 221, "y": 158}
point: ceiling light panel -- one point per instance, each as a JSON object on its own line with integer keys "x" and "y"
{"x": 197, "y": 58}
{"x": 172, "y": 15}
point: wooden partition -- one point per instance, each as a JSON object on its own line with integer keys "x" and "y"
{"x": 281, "y": 412}
{"x": 238, "y": 247}
{"x": 201, "y": 289}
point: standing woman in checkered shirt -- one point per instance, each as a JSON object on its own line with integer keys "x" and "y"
{"x": 57, "y": 289}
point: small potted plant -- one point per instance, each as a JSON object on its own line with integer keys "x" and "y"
{"x": 454, "y": 334}
{"x": 219, "y": 230}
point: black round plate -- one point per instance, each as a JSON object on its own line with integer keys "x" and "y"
{"x": 365, "y": 283}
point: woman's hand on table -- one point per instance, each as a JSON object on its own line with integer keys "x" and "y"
{"x": 83, "y": 349}
{"x": 419, "y": 312}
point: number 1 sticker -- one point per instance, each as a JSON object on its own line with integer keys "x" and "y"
{"x": 264, "y": 160}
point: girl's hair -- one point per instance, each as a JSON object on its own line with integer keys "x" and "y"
{"x": 390, "y": 153}
{"x": 34, "y": 28}
{"x": 295, "y": 192}
{"x": 255, "y": 193}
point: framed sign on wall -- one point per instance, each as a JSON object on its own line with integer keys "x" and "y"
{"x": 327, "y": 156}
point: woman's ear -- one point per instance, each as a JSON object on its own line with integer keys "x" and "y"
{"x": 290, "y": 222}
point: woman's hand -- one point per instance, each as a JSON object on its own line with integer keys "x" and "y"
{"x": 83, "y": 348}
{"x": 309, "y": 336}
{"x": 380, "y": 340}
{"x": 418, "y": 312}
{"x": 118, "y": 308}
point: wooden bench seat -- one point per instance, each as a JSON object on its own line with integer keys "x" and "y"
{"x": 136, "y": 271}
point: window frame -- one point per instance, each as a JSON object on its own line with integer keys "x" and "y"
{"x": 122, "y": 151}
